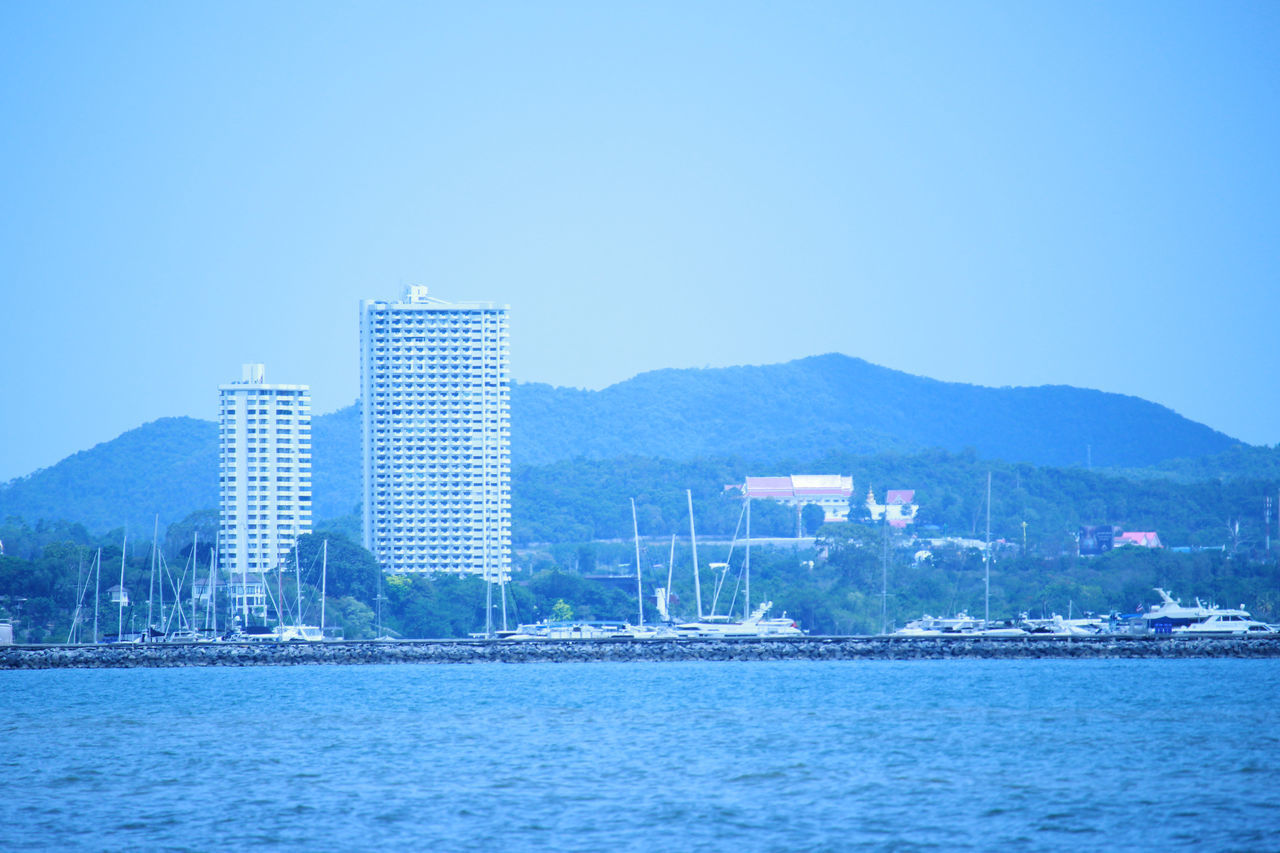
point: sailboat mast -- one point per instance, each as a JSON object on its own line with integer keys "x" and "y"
{"x": 884, "y": 570}
{"x": 671, "y": 566}
{"x": 693, "y": 542}
{"x": 124, "y": 549}
{"x": 324, "y": 584}
{"x": 195, "y": 566}
{"x": 97, "y": 592}
{"x": 746, "y": 569}
{"x": 502, "y": 593}
{"x": 151, "y": 590}
{"x": 488, "y": 601}
{"x": 297, "y": 583}
{"x": 213, "y": 589}
{"x": 986, "y": 561}
{"x": 164, "y": 570}
{"x": 635, "y": 527}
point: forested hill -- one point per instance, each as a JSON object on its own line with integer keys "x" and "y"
{"x": 774, "y": 419}
{"x": 169, "y": 468}
{"x": 811, "y": 407}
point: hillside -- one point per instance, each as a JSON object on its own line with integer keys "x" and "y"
{"x": 807, "y": 408}
{"x": 782, "y": 416}
{"x": 169, "y": 468}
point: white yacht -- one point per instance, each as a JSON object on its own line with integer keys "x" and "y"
{"x": 937, "y": 626}
{"x": 1224, "y": 625}
{"x": 755, "y": 625}
{"x": 1057, "y": 626}
{"x": 298, "y": 634}
{"x": 565, "y": 630}
{"x": 1170, "y": 614}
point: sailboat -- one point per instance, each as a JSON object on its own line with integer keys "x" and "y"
{"x": 753, "y": 623}
{"x": 963, "y": 623}
{"x": 299, "y": 632}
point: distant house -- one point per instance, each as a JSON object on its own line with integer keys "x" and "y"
{"x": 899, "y": 507}
{"x": 119, "y": 595}
{"x": 1143, "y": 538}
{"x": 831, "y": 492}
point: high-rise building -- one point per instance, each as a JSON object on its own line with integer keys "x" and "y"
{"x": 264, "y": 474}
{"x": 436, "y": 428}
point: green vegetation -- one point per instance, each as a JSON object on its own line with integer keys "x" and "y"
{"x": 831, "y": 585}
{"x": 780, "y": 418}
{"x": 580, "y": 456}
{"x": 586, "y": 500}
{"x": 802, "y": 409}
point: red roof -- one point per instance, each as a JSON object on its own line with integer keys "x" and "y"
{"x": 900, "y": 497}
{"x": 1145, "y": 538}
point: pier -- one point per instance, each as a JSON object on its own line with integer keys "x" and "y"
{"x": 626, "y": 650}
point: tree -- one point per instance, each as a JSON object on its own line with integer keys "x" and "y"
{"x": 812, "y": 517}
{"x": 352, "y": 571}
{"x": 354, "y": 617}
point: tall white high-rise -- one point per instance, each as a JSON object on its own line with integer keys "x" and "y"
{"x": 436, "y": 426}
{"x": 264, "y": 473}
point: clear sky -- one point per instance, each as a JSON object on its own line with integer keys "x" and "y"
{"x": 1012, "y": 193}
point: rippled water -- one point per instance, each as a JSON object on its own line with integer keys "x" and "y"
{"x": 954, "y": 755}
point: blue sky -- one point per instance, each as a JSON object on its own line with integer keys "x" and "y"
{"x": 997, "y": 193}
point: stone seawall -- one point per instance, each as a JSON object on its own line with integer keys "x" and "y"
{"x": 568, "y": 651}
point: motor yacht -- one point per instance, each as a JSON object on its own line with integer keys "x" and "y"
{"x": 1224, "y": 625}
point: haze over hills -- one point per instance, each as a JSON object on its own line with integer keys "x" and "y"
{"x": 793, "y": 412}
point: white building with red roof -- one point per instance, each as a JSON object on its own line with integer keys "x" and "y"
{"x": 899, "y": 506}
{"x": 829, "y": 491}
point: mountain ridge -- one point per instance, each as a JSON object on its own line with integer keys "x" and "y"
{"x": 765, "y": 415}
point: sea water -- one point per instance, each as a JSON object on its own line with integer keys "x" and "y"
{"x": 941, "y": 755}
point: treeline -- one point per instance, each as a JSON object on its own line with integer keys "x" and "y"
{"x": 850, "y": 580}
{"x": 56, "y": 585}
{"x": 585, "y": 500}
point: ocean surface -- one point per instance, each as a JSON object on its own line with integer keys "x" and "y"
{"x": 928, "y": 755}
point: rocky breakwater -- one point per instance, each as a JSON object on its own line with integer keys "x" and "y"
{"x": 569, "y": 651}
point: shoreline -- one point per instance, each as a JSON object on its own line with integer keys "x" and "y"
{"x": 128, "y": 656}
